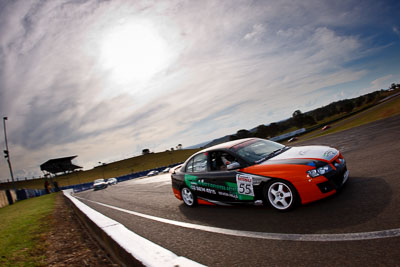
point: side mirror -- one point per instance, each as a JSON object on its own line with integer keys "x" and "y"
{"x": 234, "y": 165}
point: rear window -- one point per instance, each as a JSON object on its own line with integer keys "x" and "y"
{"x": 197, "y": 164}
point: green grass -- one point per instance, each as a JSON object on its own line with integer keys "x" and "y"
{"x": 22, "y": 230}
{"x": 382, "y": 111}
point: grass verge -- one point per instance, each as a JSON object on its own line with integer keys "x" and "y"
{"x": 381, "y": 111}
{"x": 23, "y": 227}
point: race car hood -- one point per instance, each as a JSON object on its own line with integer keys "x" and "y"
{"x": 308, "y": 152}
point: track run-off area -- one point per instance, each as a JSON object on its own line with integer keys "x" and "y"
{"x": 359, "y": 225}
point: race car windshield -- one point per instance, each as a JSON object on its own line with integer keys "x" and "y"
{"x": 256, "y": 151}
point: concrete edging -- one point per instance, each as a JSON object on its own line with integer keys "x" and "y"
{"x": 124, "y": 246}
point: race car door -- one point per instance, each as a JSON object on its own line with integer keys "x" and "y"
{"x": 207, "y": 174}
{"x": 229, "y": 185}
{"x": 197, "y": 176}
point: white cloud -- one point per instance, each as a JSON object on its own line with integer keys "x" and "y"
{"x": 379, "y": 83}
{"x": 396, "y": 30}
{"x": 257, "y": 31}
{"x": 382, "y": 81}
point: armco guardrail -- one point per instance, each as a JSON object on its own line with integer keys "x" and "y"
{"x": 124, "y": 246}
{"x": 288, "y": 135}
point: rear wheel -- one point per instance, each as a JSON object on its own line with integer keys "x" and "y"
{"x": 281, "y": 195}
{"x": 188, "y": 197}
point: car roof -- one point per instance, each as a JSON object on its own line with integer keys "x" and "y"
{"x": 226, "y": 145}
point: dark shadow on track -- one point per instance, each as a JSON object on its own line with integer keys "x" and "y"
{"x": 360, "y": 201}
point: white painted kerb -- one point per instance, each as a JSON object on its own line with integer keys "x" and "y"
{"x": 145, "y": 251}
{"x": 270, "y": 236}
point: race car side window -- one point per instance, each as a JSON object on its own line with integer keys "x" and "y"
{"x": 189, "y": 166}
{"x": 220, "y": 160}
{"x": 200, "y": 163}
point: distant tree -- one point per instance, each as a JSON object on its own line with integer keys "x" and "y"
{"x": 262, "y": 131}
{"x": 145, "y": 151}
{"x": 347, "y": 106}
{"x": 240, "y": 134}
{"x": 243, "y": 134}
{"x": 309, "y": 120}
{"x": 273, "y": 128}
{"x": 371, "y": 97}
{"x": 179, "y": 147}
{"x": 285, "y": 125}
{"x": 331, "y": 109}
{"x": 298, "y": 118}
{"x": 360, "y": 101}
{"x": 297, "y": 113}
{"x": 318, "y": 114}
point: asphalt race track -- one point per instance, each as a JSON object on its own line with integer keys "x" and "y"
{"x": 358, "y": 226}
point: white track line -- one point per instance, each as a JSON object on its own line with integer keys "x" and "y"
{"x": 263, "y": 235}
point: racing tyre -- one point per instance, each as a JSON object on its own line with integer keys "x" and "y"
{"x": 281, "y": 195}
{"x": 188, "y": 197}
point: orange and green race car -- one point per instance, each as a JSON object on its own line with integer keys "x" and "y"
{"x": 256, "y": 171}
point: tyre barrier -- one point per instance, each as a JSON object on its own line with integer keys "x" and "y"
{"x": 124, "y": 246}
{"x": 10, "y": 196}
{"x": 7, "y": 197}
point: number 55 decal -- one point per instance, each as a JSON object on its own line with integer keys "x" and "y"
{"x": 245, "y": 184}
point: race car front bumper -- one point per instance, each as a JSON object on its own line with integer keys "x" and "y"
{"x": 336, "y": 179}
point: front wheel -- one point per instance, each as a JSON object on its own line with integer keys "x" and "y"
{"x": 281, "y": 195}
{"x": 188, "y": 197}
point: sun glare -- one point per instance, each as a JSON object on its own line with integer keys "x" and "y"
{"x": 133, "y": 53}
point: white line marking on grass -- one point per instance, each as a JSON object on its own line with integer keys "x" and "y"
{"x": 263, "y": 235}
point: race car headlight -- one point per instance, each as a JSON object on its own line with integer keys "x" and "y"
{"x": 319, "y": 171}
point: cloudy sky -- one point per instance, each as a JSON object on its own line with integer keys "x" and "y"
{"x": 105, "y": 79}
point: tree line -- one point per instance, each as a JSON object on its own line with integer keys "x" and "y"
{"x": 316, "y": 116}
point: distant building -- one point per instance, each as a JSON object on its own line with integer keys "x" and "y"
{"x": 59, "y": 165}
